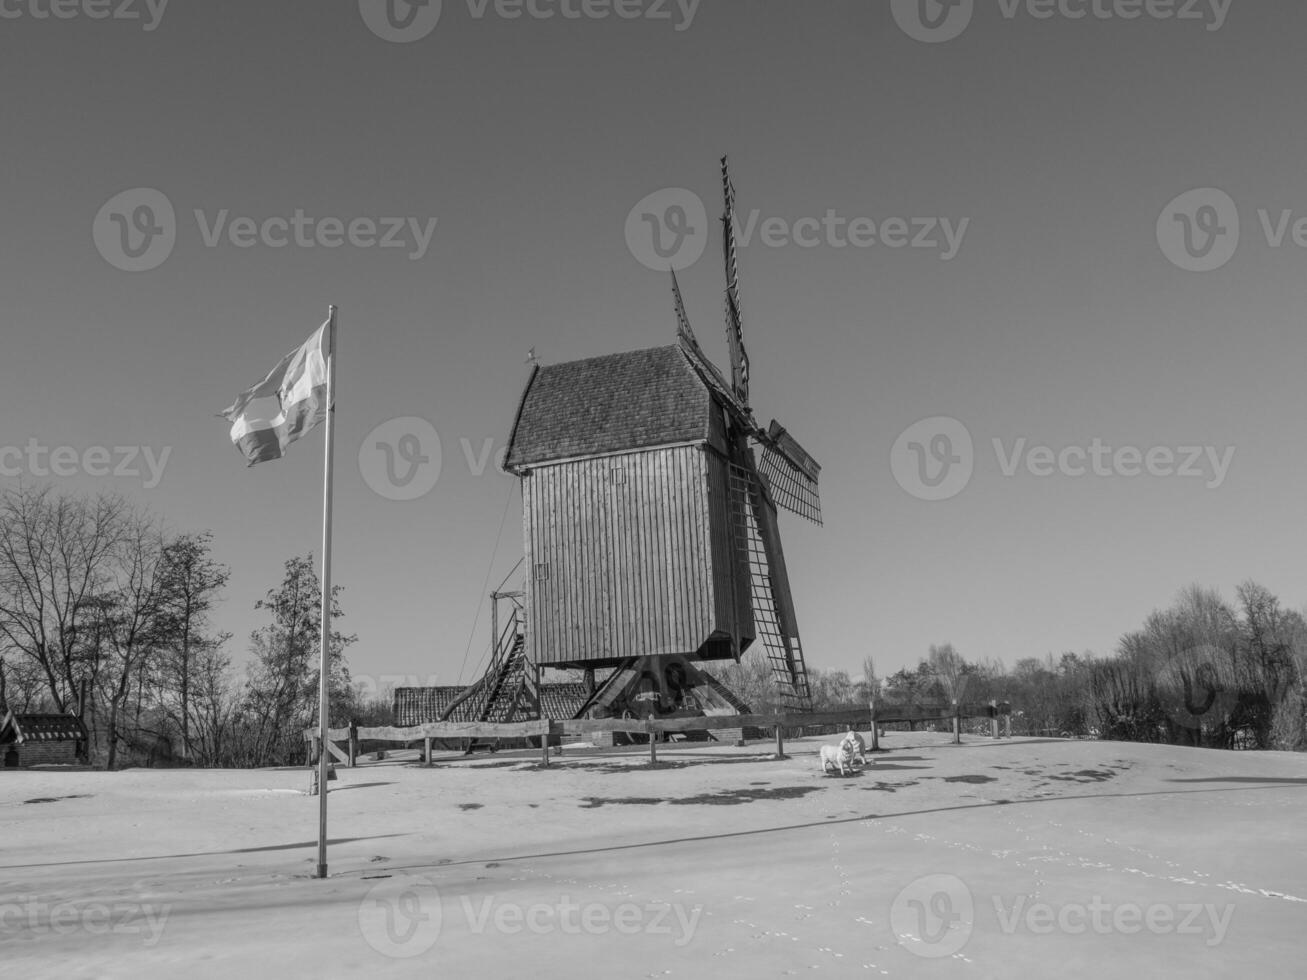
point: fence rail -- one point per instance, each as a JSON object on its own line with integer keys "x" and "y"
{"x": 871, "y": 716}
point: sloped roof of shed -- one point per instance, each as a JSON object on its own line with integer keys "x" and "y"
{"x": 422, "y": 705}
{"x": 41, "y": 728}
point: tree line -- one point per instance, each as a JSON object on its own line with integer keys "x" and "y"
{"x": 105, "y": 612}
{"x": 1202, "y": 672}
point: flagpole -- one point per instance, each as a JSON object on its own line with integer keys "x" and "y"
{"x": 323, "y": 667}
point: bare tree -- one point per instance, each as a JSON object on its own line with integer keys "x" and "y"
{"x": 752, "y": 680}
{"x": 870, "y": 682}
{"x": 133, "y": 614}
{"x": 213, "y": 708}
{"x": 55, "y": 554}
{"x": 950, "y": 668}
{"x": 192, "y": 581}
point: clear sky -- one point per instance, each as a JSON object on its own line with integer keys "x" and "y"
{"x": 1062, "y": 319}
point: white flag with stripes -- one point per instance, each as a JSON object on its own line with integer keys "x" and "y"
{"x": 285, "y": 405}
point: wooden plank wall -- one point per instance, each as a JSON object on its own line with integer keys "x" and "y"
{"x": 629, "y": 553}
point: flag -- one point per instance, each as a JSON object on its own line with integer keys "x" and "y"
{"x": 261, "y": 428}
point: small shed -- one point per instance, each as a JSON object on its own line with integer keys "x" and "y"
{"x": 40, "y": 740}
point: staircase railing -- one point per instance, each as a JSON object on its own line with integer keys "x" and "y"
{"x": 479, "y": 696}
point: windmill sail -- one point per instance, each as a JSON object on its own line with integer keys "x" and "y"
{"x": 683, "y": 329}
{"x": 791, "y": 473}
{"x": 759, "y": 544}
{"x": 786, "y": 477}
{"x": 734, "y": 316}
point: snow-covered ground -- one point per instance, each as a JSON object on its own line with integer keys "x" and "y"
{"x": 1019, "y": 858}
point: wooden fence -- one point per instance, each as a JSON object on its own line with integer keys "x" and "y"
{"x": 872, "y": 717}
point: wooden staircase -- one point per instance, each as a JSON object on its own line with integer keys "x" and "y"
{"x": 507, "y": 690}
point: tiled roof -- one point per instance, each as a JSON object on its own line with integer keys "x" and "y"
{"x": 562, "y": 701}
{"x": 613, "y": 403}
{"x": 422, "y": 705}
{"x": 41, "y": 728}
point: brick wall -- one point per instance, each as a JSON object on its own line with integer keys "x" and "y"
{"x": 47, "y": 753}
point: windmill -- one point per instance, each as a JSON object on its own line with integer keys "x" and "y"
{"x": 651, "y": 543}
{"x": 785, "y": 477}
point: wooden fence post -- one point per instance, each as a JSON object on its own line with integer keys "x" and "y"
{"x": 353, "y": 743}
{"x": 993, "y": 718}
{"x": 957, "y": 723}
{"x": 426, "y": 752}
{"x": 875, "y": 729}
{"x": 653, "y": 742}
{"x": 544, "y": 745}
{"x": 780, "y": 741}
{"x": 315, "y": 747}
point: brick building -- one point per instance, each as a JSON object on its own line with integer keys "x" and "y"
{"x": 40, "y": 740}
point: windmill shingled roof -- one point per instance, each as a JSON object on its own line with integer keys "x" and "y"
{"x": 617, "y": 402}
